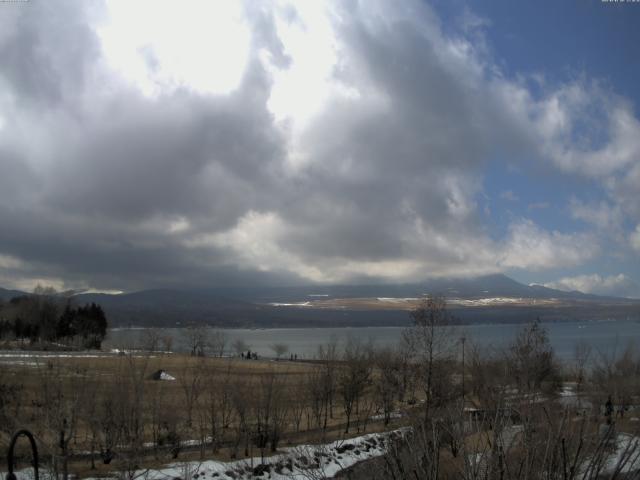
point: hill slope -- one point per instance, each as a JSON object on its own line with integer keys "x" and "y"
{"x": 351, "y": 305}
{"x": 9, "y": 294}
{"x": 312, "y": 305}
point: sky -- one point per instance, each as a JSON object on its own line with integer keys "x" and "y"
{"x": 164, "y": 143}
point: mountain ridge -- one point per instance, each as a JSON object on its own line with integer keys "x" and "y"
{"x": 287, "y": 306}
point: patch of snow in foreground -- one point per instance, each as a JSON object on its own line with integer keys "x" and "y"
{"x": 39, "y": 354}
{"x": 626, "y": 458}
{"x": 509, "y": 434}
{"x": 380, "y": 416}
{"x": 166, "y": 376}
{"x": 567, "y": 390}
{"x": 13, "y": 354}
{"x": 22, "y": 363}
{"x": 296, "y": 463}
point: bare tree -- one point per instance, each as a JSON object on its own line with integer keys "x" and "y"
{"x": 11, "y": 389}
{"x": 218, "y": 342}
{"x": 62, "y": 393}
{"x": 240, "y": 395}
{"x": 387, "y": 382}
{"x": 197, "y": 338}
{"x": 240, "y": 346}
{"x": 298, "y": 404}
{"x": 167, "y": 343}
{"x": 191, "y": 381}
{"x": 532, "y": 360}
{"x": 328, "y": 357}
{"x": 269, "y": 411}
{"x": 315, "y": 389}
{"x": 151, "y": 339}
{"x": 580, "y": 367}
{"x": 616, "y": 377}
{"x": 431, "y": 340}
{"x": 219, "y": 406}
{"x": 488, "y": 373}
{"x": 354, "y": 376}
{"x": 279, "y": 349}
{"x": 123, "y": 416}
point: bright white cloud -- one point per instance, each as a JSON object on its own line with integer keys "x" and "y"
{"x": 162, "y": 45}
{"x": 256, "y": 242}
{"x": 530, "y": 247}
{"x": 303, "y": 85}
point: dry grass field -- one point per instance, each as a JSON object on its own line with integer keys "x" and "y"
{"x": 86, "y": 409}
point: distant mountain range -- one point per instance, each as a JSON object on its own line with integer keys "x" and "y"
{"x": 316, "y": 306}
{"x": 9, "y": 294}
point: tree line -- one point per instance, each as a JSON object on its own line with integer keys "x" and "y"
{"x": 47, "y": 317}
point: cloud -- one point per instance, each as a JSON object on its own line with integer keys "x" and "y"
{"x": 588, "y": 131}
{"x": 149, "y": 50}
{"x": 601, "y": 215}
{"x": 344, "y": 142}
{"x": 617, "y": 285}
{"x": 509, "y": 196}
{"x": 7, "y": 262}
{"x": 538, "y": 206}
{"x": 634, "y": 239}
{"x": 606, "y": 128}
{"x": 530, "y": 247}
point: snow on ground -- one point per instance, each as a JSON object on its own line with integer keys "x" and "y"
{"x": 34, "y": 354}
{"x": 485, "y": 301}
{"x": 380, "y": 416}
{"x": 626, "y": 458}
{"x": 303, "y": 462}
{"x": 509, "y": 434}
{"x": 491, "y": 301}
{"x": 22, "y": 363}
{"x": 295, "y": 463}
{"x": 43, "y": 354}
{"x": 397, "y": 300}
{"x": 299, "y": 304}
{"x": 569, "y": 397}
{"x": 31, "y": 358}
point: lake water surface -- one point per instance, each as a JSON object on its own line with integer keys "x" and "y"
{"x": 603, "y": 336}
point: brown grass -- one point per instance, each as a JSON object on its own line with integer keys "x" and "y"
{"x": 96, "y": 377}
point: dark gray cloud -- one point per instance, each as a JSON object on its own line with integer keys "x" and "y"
{"x": 46, "y": 50}
{"x": 95, "y": 198}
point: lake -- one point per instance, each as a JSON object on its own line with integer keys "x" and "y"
{"x": 606, "y": 336}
